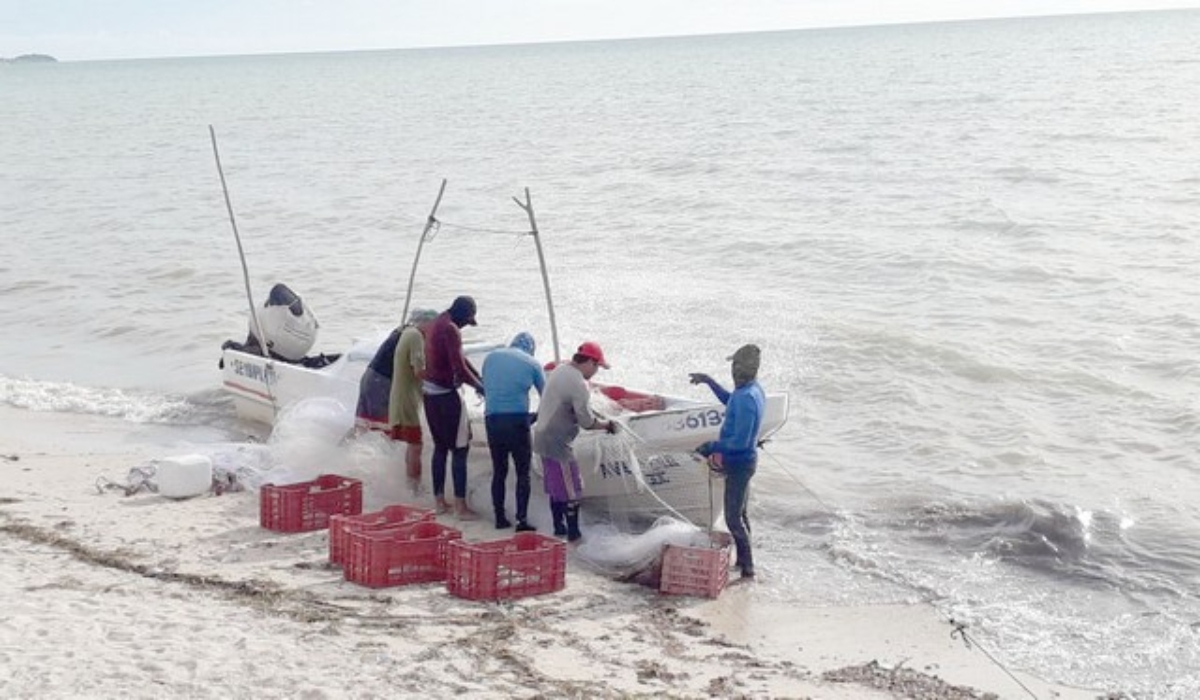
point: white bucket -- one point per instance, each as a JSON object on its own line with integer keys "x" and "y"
{"x": 184, "y": 476}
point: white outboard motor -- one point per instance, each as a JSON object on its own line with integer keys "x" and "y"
{"x": 290, "y": 327}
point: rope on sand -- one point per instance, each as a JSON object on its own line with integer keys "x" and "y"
{"x": 960, "y": 631}
{"x": 960, "y": 628}
{"x": 139, "y": 478}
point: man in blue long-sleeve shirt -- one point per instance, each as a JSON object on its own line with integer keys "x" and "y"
{"x": 508, "y": 375}
{"x": 736, "y": 450}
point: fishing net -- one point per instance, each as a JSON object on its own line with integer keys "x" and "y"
{"x": 642, "y": 497}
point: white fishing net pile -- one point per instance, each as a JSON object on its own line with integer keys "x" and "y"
{"x": 619, "y": 544}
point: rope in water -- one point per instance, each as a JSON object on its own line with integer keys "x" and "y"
{"x": 826, "y": 506}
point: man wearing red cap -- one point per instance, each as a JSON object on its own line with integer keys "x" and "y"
{"x": 564, "y": 410}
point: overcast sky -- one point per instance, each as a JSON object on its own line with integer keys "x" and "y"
{"x": 102, "y": 29}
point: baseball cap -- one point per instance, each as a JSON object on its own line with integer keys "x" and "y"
{"x": 591, "y": 350}
{"x": 463, "y": 311}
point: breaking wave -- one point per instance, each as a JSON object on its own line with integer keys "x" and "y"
{"x": 204, "y": 408}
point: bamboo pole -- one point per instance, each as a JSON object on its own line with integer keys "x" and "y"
{"x": 527, "y": 205}
{"x": 258, "y": 331}
{"x": 237, "y": 237}
{"x": 429, "y": 224}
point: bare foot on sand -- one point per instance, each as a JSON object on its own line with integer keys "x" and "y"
{"x": 462, "y": 511}
{"x": 414, "y": 487}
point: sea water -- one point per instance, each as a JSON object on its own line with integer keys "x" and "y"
{"x": 968, "y": 251}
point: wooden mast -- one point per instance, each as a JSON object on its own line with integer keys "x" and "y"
{"x": 258, "y": 331}
{"x": 527, "y": 205}
{"x": 429, "y": 224}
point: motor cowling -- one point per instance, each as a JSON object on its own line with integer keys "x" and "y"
{"x": 289, "y": 326}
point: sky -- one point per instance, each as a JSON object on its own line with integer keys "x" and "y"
{"x": 117, "y": 29}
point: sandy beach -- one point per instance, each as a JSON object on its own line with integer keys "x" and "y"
{"x": 143, "y": 597}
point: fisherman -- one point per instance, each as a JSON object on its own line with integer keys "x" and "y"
{"x": 508, "y": 376}
{"x": 404, "y": 402}
{"x": 565, "y": 409}
{"x": 447, "y": 369}
{"x": 375, "y": 386}
{"x": 735, "y": 452}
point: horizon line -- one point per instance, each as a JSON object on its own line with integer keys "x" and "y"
{"x": 614, "y": 39}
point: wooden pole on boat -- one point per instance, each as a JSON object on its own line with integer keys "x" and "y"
{"x": 429, "y": 224}
{"x": 241, "y": 253}
{"x": 527, "y": 205}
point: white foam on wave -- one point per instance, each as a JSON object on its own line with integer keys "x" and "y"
{"x": 64, "y": 397}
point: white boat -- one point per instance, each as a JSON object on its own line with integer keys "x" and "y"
{"x": 647, "y": 469}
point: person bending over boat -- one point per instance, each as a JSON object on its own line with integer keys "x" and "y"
{"x": 565, "y": 409}
{"x": 508, "y": 376}
{"x": 735, "y": 452}
{"x": 447, "y": 369}
{"x": 373, "y": 411}
{"x": 404, "y": 401}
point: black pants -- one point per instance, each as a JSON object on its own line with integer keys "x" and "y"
{"x": 443, "y": 413}
{"x": 508, "y": 434}
{"x": 737, "y": 516}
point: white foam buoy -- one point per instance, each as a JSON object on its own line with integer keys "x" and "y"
{"x": 184, "y": 476}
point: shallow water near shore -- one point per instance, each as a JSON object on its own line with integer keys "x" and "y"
{"x": 967, "y": 251}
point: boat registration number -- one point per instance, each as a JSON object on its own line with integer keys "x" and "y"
{"x": 697, "y": 420}
{"x": 256, "y": 372}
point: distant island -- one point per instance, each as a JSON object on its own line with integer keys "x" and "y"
{"x": 30, "y": 58}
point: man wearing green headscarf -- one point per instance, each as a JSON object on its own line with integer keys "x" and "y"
{"x": 735, "y": 452}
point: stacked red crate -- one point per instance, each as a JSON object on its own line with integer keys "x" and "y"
{"x": 414, "y": 552}
{"x": 340, "y": 526}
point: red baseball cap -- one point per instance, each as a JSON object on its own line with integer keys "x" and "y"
{"x": 591, "y": 350}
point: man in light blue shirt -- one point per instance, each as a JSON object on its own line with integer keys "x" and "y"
{"x": 508, "y": 376}
{"x": 736, "y": 449}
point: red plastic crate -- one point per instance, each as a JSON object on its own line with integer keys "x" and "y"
{"x": 699, "y": 571}
{"x": 340, "y": 526}
{"x": 307, "y": 506}
{"x": 523, "y": 565}
{"x": 411, "y": 553}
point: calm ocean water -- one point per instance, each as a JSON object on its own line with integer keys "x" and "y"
{"x": 968, "y": 250}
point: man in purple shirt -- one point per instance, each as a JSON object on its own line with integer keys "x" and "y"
{"x": 735, "y": 452}
{"x": 446, "y": 369}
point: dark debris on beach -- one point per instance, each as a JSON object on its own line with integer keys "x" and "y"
{"x": 904, "y": 683}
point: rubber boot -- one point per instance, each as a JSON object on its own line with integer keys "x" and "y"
{"x": 573, "y": 533}
{"x": 558, "y": 511}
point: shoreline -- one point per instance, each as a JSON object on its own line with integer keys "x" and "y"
{"x": 146, "y": 597}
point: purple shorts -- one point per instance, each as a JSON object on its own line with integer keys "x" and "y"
{"x": 562, "y": 481}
